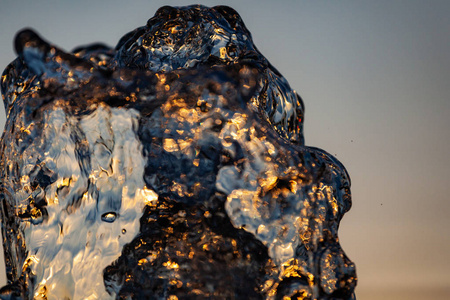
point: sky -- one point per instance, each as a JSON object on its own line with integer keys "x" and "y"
{"x": 374, "y": 76}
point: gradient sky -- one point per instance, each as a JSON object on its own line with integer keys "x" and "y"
{"x": 375, "y": 79}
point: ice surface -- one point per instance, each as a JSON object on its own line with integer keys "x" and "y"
{"x": 170, "y": 167}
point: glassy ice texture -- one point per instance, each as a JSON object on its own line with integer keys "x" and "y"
{"x": 170, "y": 167}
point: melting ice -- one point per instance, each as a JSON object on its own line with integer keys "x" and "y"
{"x": 170, "y": 167}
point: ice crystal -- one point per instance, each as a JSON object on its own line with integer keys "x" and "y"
{"x": 172, "y": 166}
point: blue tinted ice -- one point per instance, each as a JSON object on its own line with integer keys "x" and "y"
{"x": 170, "y": 167}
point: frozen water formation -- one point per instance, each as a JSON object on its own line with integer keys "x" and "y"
{"x": 170, "y": 167}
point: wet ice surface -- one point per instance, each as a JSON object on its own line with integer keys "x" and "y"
{"x": 170, "y": 167}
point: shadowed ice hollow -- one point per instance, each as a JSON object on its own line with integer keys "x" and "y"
{"x": 170, "y": 167}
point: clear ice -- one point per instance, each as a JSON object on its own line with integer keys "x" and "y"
{"x": 170, "y": 167}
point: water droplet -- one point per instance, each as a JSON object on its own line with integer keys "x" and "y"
{"x": 109, "y": 217}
